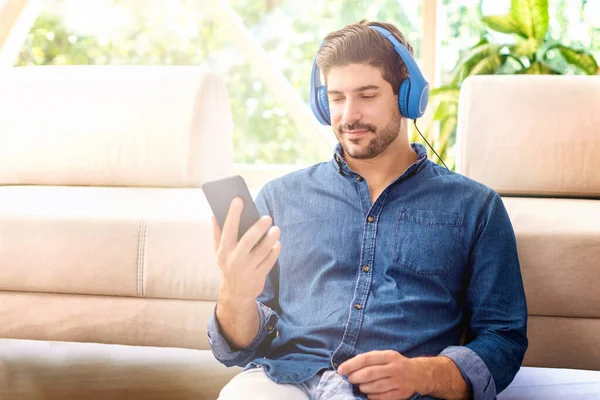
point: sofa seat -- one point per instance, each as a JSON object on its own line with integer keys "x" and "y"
{"x": 553, "y": 384}
{"x": 107, "y": 241}
{"x": 46, "y": 370}
{"x": 63, "y": 370}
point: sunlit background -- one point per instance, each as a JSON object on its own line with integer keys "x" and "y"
{"x": 257, "y": 43}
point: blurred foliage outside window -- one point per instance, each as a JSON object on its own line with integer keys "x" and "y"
{"x": 179, "y": 33}
{"x": 118, "y": 32}
{"x": 573, "y": 22}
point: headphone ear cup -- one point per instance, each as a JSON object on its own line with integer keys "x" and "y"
{"x": 403, "y": 98}
{"x": 324, "y": 103}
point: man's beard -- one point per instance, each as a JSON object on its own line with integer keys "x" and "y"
{"x": 378, "y": 143}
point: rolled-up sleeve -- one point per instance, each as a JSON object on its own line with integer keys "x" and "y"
{"x": 473, "y": 370}
{"x": 229, "y": 356}
{"x": 495, "y": 306}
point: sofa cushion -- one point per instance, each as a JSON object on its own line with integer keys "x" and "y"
{"x": 105, "y": 319}
{"x": 113, "y": 126}
{"x": 563, "y": 342}
{"x": 559, "y": 248}
{"x": 531, "y": 134}
{"x": 140, "y": 242}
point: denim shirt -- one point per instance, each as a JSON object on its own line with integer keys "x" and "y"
{"x": 433, "y": 258}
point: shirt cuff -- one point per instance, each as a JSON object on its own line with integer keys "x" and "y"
{"x": 474, "y": 371}
{"x": 223, "y": 351}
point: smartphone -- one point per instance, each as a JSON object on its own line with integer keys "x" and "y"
{"x": 221, "y": 192}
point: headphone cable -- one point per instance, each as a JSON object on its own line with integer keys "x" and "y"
{"x": 430, "y": 146}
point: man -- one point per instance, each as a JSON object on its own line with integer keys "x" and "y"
{"x": 378, "y": 260}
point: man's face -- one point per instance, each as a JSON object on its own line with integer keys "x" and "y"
{"x": 364, "y": 110}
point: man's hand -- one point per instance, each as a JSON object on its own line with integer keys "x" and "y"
{"x": 244, "y": 266}
{"x": 388, "y": 375}
{"x": 385, "y": 375}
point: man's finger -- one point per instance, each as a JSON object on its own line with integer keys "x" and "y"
{"x": 392, "y": 394}
{"x": 269, "y": 262}
{"x": 231, "y": 226}
{"x": 379, "y": 386}
{"x": 258, "y": 253}
{"x": 216, "y": 233}
{"x": 253, "y": 235}
{"x": 361, "y": 361}
{"x": 370, "y": 374}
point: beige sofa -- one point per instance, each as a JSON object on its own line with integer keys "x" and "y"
{"x": 107, "y": 275}
{"x": 105, "y": 236}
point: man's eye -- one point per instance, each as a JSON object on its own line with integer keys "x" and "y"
{"x": 337, "y": 100}
{"x": 368, "y": 97}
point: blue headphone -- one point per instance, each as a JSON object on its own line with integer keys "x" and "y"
{"x": 412, "y": 95}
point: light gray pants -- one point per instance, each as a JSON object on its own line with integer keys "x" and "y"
{"x": 254, "y": 384}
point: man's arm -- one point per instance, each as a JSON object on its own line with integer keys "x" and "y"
{"x": 231, "y": 354}
{"x": 495, "y": 306}
{"x": 442, "y": 379}
{"x": 238, "y": 321}
{"x": 241, "y": 322}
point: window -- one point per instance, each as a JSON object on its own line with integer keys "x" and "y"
{"x": 287, "y": 35}
{"x": 265, "y": 49}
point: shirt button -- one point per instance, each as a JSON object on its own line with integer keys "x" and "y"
{"x": 357, "y": 306}
{"x": 370, "y": 218}
{"x": 358, "y": 178}
{"x": 269, "y": 328}
{"x": 366, "y": 268}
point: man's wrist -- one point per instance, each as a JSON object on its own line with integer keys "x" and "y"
{"x": 426, "y": 382}
{"x": 227, "y": 298}
{"x": 441, "y": 378}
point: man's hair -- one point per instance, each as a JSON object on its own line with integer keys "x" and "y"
{"x": 359, "y": 44}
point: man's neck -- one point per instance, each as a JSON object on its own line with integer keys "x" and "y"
{"x": 380, "y": 171}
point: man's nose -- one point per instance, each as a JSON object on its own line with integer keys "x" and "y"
{"x": 351, "y": 112}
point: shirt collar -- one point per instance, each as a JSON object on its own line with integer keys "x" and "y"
{"x": 343, "y": 168}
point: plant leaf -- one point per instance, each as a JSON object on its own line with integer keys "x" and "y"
{"x": 445, "y": 109}
{"x": 502, "y": 23}
{"x": 526, "y": 48}
{"x": 539, "y": 68}
{"x": 580, "y": 59}
{"x": 487, "y": 66}
{"x": 531, "y": 17}
{"x": 459, "y": 71}
{"x": 483, "y": 40}
{"x": 447, "y": 130}
{"x": 473, "y": 58}
{"x": 447, "y": 93}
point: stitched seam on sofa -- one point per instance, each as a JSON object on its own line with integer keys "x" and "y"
{"x": 144, "y": 256}
{"x": 138, "y": 281}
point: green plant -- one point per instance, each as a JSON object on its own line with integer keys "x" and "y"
{"x": 533, "y": 52}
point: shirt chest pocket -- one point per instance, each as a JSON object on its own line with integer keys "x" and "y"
{"x": 427, "y": 242}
